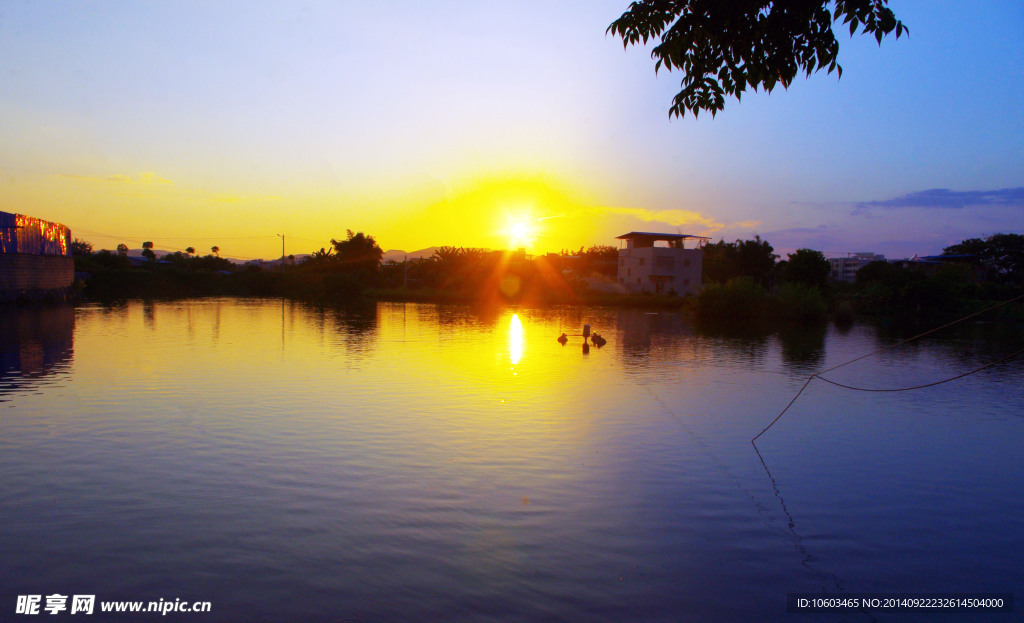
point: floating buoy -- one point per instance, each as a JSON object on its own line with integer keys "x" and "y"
{"x": 598, "y": 340}
{"x": 562, "y": 339}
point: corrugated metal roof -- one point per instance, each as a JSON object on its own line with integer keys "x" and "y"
{"x": 33, "y": 236}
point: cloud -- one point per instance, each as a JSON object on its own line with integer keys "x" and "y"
{"x": 675, "y": 218}
{"x": 944, "y": 198}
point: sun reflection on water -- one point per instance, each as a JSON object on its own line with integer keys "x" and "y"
{"x": 515, "y": 339}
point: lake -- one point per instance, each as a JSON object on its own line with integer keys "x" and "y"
{"x": 416, "y": 462}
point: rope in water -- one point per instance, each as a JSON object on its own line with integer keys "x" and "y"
{"x": 818, "y": 375}
{"x": 932, "y": 384}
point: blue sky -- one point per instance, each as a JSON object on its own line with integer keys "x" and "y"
{"x": 443, "y": 123}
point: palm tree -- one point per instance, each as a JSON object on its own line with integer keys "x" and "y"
{"x": 147, "y": 250}
{"x": 190, "y": 250}
{"x": 216, "y": 250}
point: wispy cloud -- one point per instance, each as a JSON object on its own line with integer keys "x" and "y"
{"x": 944, "y": 198}
{"x": 698, "y": 223}
{"x": 675, "y": 218}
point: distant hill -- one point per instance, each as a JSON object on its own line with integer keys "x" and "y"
{"x": 397, "y": 255}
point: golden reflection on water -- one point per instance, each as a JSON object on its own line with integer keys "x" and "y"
{"x": 515, "y": 339}
{"x": 445, "y": 373}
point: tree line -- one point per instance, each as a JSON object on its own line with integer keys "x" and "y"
{"x": 743, "y": 278}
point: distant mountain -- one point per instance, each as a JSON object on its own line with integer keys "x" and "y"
{"x": 397, "y": 255}
{"x": 138, "y": 252}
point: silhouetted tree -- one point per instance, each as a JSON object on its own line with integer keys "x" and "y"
{"x": 323, "y": 256}
{"x": 100, "y": 260}
{"x": 807, "y": 267}
{"x": 971, "y": 246}
{"x": 602, "y": 259}
{"x": 723, "y": 261}
{"x": 215, "y": 250}
{"x": 722, "y": 47}
{"x": 80, "y": 247}
{"x": 1002, "y": 255}
{"x": 720, "y": 262}
{"x": 756, "y": 259}
{"x": 359, "y": 255}
{"x": 147, "y": 251}
{"x": 122, "y": 250}
{"x": 602, "y": 252}
{"x": 878, "y": 272}
{"x": 190, "y": 250}
{"x": 177, "y": 259}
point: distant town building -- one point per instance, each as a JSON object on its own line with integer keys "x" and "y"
{"x": 845, "y": 268}
{"x": 35, "y": 259}
{"x": 653, "y": 262}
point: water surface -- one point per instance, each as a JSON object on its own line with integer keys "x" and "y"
{"x": 405, "y": 462}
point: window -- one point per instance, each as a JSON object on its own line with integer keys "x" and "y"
{"x": 667, "y": 263}
{"x": 629, "y": 272}
{"x": 686, "y": 282}
{"x": 641, "y": 261}
{"x": 686, "y": 262}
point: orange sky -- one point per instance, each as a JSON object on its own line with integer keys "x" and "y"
{"x": 486, "y": 211}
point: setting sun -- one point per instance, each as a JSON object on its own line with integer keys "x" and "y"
{"x": 520, "y": 234}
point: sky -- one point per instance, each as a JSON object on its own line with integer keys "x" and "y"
{"x": 494, "y": 125}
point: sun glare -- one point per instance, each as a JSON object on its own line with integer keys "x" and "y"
{"x": 520, "y": 234}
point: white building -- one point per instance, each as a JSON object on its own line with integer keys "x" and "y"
{"x": 845, "y": 268}
{"x": 650, "y": 262}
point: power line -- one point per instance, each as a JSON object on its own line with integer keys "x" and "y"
{"x": 139, "y": 239}
{"x": 99, "y": 235}
{"x": 906, "y": 389}
{"x": 309, "y": 240}
{"x": 884, "y": 348}
{"x": 175, "y": 248}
